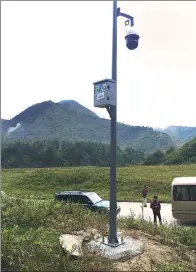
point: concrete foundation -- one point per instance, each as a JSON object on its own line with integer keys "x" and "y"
{"x": 130, "y": 248}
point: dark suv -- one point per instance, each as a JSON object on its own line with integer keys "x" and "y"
{"x": 89, "y": 200}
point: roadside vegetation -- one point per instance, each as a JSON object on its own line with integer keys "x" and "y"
{"x": 42, "y": 183}
{"x": 30, "y": 235}
{"x": 174, "y": 235}
{"x": 31, "y": 230}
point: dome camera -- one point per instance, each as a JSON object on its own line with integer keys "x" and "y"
{"x": 132, "y": 38}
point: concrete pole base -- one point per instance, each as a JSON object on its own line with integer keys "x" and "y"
{"x": 105, "y": 241}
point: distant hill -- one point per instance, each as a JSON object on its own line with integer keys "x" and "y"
{"x": 184, "y": 154}
{"x": 181, "y": 155}
{"x": 179, "y": 133}
{"x": 70, "y": 121}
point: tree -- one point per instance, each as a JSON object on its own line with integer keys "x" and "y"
{"x": 154, "y": 159}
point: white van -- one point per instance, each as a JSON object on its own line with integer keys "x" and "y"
{"x": 183, "y": 196}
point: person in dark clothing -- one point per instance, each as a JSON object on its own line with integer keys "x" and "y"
{"x": 156, "y": 208}
{"x": 144, "y": 196}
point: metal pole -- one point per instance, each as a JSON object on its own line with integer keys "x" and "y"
{"x": 113, "y": 226}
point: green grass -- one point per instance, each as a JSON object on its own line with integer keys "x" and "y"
{"x": 31, "y": 230}
{"x": 30, "y": 236}
{"x": 43, "y": 183}
{"x": 168, "y": 267}
{"x": 169, "y": 234}
{"x": 32, "y": 221}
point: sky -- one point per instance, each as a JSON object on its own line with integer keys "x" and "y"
{"x": 54, "y": 50}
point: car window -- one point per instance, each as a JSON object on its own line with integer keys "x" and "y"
{"x": 77, "y": 198}
{"x": 82, "y": 199}
{"x": 86, "y": 200}
{"x": 184, "y": 192}
{"x": 74, "y": 198}
{"x": 63, "y": 197}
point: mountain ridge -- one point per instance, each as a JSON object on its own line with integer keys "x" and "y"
{"x": 69, "y": 120}
{"x": 181, "y": 134}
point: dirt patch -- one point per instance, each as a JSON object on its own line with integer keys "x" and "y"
{"x": 154, "y": 253}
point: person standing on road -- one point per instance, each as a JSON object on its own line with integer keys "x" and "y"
{"x": 156, "y": 208}
{"x": 144, "y": 196}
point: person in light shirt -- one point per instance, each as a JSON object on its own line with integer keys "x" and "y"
{"x": 144, "y": 196}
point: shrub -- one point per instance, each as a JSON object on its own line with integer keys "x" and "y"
{"x": 169, "y": 268}
{"x": 30, "y": 235}
{"x": 170, "y": 234}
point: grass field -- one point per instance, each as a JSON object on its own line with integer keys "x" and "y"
{"x": 30, "y": 236}
{"x": 31, "y": 230}
{"x": 43, "y": 183}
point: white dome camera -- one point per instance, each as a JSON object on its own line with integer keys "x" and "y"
{"x": 132, "y": 38}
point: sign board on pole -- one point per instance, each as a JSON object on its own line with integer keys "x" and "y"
{"x": 104, "y": 93}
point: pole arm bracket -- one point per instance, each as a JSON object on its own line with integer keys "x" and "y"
{"x": 130, "y": 18}
{"x": 109, "y": 111}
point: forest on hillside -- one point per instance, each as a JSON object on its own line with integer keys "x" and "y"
{"x": 56, "y": 153}
{"x": 182, "y": 155}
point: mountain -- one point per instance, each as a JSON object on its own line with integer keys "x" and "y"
{"x": 75, "y": 106}
{"x": 179, "y": 133}
{"x": 4, "y": 124}
{"x": 68, "y": 120}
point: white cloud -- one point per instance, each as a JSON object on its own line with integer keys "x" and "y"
{"x": 13, "y": 129}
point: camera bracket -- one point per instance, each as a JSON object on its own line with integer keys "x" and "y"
{"x": 130, "y": 18}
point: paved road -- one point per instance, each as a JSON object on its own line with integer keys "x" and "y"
{"x": 135, "y": 207}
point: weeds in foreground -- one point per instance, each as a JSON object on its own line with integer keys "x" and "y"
{"x": 30, "y": 236}
{"x": 39, "y": 250}
{"x": 169, "y": 268}
{"x": 47, "y": 213}
{"x": 31, "y": 230}
{"x": 170, "y": 234}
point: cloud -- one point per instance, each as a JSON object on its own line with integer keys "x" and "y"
{"x": 13, "y": 129}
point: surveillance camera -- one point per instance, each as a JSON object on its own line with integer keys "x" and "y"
{"x": 131, "y": 38}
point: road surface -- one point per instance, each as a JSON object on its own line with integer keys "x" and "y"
{"x": 135, "y": 208}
